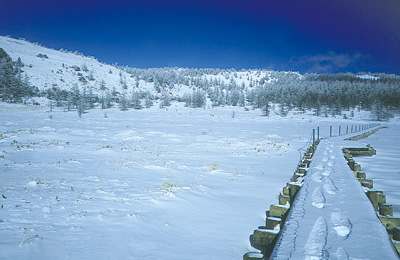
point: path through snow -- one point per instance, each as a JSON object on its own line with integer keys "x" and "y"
{"x": 332, "y": 209}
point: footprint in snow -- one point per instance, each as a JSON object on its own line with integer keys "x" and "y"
{"x": 330, "y": 164}
{"x": 325, "y": 159}
{"x": 331, "y": 151}
{"x": 327, "y": 172}
{"x": 316, "y": 242}
{"x": 329, "y": 187}
{"x": 341, "y": 224}
{"x": 319, "y": 167}
{"x": 317, "y": 177}
{"x": 333, "y": 157}
{"x": 318, "y": 198}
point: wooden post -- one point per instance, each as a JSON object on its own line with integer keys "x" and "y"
{"x": 296, "y": 176}
{"x": 272, "y": 222}
{"x": 264, "y": 237}
{"x": 277, "y": 210}
{"x": 286, "y": 191}
{"x": 386, "y": 210}
{"x": 283, "y": 199}
{"x": 396, "y": 233}
{"x": 356, "y": 167}
{"x": 301, "y": 170}
{"x": 381, "y": 198}
{"x": 366, "y": 183}
{"x": 361, "y": 175}
{"x": 350, "y": 163}
{"x": 293, "y": 189}
{"x": 390, "y": 223}
{"x": 373, "y": 197}
{"x": 307, "y": 162}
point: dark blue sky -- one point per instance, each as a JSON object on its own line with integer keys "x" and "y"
{"x": 307, "y": 36}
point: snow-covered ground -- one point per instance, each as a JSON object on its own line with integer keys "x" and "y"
{"x": 384, "y": 167}
{"x": 332, "y": 218}
{"x": 173, "y": 183}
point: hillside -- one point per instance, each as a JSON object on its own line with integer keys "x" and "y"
{"x": 48, "y": 68}
{"x": 77, "y": 82}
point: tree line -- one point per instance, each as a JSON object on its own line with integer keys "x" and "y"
{"x": 14, "y": 85}
{"x": 325, "y": 94}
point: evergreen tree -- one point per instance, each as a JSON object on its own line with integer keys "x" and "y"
{"x": 123, "y": 102}
{"x": 84, "y": 67}
{"x": 82, "y": 103}
{"x": 165, "y": 100}
{"x": 136, "y": 102}
{"x": 102, "y": 89}
{"x": 14, "y": 86}
{"x": 148, "y": 100}
{"x": 108, "y": 99}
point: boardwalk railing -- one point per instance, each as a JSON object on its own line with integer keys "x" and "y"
{"x": 341, "y": 130}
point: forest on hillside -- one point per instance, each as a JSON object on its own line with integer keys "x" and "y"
{"x": 325, "y": 94}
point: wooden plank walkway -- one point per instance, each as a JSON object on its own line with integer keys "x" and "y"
{"x": 331, "y": 217}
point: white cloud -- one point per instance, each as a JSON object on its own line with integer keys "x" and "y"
{"x": 328, "y": 63}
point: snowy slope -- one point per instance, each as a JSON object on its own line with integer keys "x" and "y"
{"x": 57, "y": 69}
{"x": 47, "y": 68}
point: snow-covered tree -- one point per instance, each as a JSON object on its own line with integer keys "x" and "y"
{"x": 136, "y": 101}
{"x": 165, "y": 100}
{"x": 148, "y": 101}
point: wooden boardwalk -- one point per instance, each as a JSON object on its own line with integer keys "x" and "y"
{"x": 331, "y": 217}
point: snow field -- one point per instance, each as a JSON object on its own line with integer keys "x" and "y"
{"x": 174, "y": 183}
{"x": 138, "y": 184}
{"x": 383, "y": 168}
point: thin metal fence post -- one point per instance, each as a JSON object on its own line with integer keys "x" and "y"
{"x": 313, "y": 137}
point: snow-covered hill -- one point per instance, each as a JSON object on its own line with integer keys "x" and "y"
{"x": 89, "y": 83}
{"x": 48, "y": 68}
